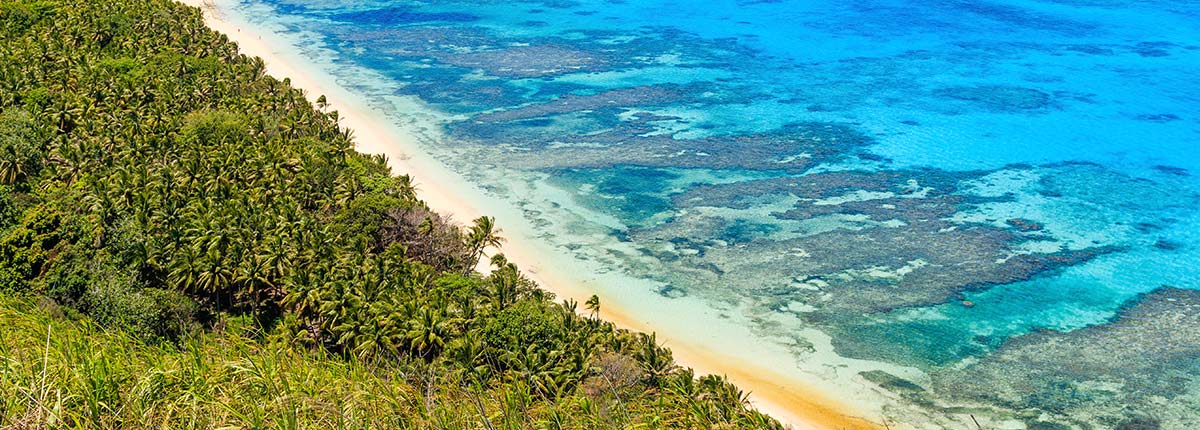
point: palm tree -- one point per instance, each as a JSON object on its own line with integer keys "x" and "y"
{"x": 655, "y": 360}
{"x": 593, "y": 305}
{"x": 481, "y": 235}
{"x": 429, "y": 333}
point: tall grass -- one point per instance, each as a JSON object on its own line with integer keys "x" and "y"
{"x": 56, "y": 373}
{"x": 61, "y": 373}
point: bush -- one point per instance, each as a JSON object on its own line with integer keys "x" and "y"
{"x": 528, "y": 322}
{"x": 11, "y": 281}
{"x": 94, "y": 282}
{"x": 457, "y": 287}
{"x": 25, "y": 248}
{"x": 68, "y": 281}
{"x": 214, "y": 129}
{"x": 20, "y": 17}
{"x": 151, "y": 314}
{"x": 8, "y": 208}
{"x": 22, "y": 141}
{"x": 363, "y": 217}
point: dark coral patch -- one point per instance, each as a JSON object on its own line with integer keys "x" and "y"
{"x": 998, "y": 98}
{"x": 1172, "y": 170}
{"x": 1160, "y": 118}
{"x": 1025, "y": 225}
{"x": 402, "y": 15}
{"x": 1167, "y": 245}
{"x": 528, "y": 61}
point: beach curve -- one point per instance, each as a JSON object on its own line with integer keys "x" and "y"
{"x": 784, "y": 395}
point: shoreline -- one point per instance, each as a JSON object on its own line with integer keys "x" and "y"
{"x": 783, "y": 395}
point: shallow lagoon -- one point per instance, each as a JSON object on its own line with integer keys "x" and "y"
{"x": 1001, "y": 195}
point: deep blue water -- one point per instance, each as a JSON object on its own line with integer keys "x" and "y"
{"x": 989, "y": 191}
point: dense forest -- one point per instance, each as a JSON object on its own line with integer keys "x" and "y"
{"x": 186, "y": 242}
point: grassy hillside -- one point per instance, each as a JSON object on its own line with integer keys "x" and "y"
{"x": 58, "y": 373}
{"x": 187, "y": 242}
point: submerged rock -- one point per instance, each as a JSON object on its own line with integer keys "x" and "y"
{"x": 1023, "y": 224}
{"x": 999, "y": 98}
{"x": 1142, "y": 370}
{"x": 528, "y": 61}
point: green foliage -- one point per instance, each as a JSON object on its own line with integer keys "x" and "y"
{"x": 21, "y": 146}
{"x": 362, "y": 218}
{"x": 92, "y": 282}
{"x": 68, "y": 281}
{"x": 9, "y": 212}
{"x": 526, "y": 323}
{"x": 11, "y": 279}
{"x": 213, "y": 128}
{"x": 27, "y": 247}
{"x": 158, "y": 186}
{"x": 150, "y": 313}
{"x": 121, "y": 65}
{"x": 20, "y": 16}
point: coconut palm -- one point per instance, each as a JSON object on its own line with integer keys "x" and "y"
{"x": 593, "y": 305}
{"x": 481, "y": 235}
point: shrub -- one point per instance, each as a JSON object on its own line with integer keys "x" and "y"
{"x": 8, "y": 208}
{"x": 25, "y": 248}
{"x": 94, "y": 282}
{"x": 151, "y": 314}
{"x": 20, "y": 17}
{"x": 528, "y": 322}
{"x": 22, "y": 146}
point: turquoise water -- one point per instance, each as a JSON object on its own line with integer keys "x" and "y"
{"x": 1001, "y": 194}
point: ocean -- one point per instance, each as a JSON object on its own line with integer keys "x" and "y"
{"x": 947, "y": 208}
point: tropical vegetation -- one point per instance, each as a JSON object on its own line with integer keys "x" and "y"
{"x": 187, "y": 242}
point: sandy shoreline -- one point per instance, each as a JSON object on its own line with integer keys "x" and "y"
{"x": 791, "y": 400}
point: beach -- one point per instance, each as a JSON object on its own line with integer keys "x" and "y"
{"x": 793, "y": 397}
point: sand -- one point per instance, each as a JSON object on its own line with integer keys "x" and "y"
{"x": 782, "y": 393}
